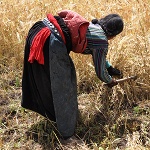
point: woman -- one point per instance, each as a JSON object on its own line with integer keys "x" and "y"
{"x": 49, "y": 80}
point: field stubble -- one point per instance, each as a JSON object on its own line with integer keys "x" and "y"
{"x": 115, "y": 118}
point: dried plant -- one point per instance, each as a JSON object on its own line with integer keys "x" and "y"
{"x": 116, "y": 118}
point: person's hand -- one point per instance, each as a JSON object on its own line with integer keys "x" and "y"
{"x": 114, "y": 71}
{"x": 113, "y": 83}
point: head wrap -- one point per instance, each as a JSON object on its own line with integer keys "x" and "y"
{"x": 112, "y": 24}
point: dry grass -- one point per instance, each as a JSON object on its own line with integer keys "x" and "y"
{"x": 117, "y": 118}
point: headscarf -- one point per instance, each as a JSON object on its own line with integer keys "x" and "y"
{"x": 112, "y": 24}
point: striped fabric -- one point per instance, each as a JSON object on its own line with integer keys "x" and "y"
{"x": 98, "y": 47}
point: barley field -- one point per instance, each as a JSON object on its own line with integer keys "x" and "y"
{"x": 110, "y": 119}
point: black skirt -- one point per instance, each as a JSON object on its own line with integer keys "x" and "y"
{"x": 51, "y": 89}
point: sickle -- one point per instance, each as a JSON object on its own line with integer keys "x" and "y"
{"x": 126, "y": 79}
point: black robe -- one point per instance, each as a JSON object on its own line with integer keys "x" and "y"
{"x": 50, "y": 89}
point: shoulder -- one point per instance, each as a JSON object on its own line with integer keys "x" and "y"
{"x": 95, "y": 31}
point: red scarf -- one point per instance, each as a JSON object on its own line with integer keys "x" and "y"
{"x": 36, "y": 48}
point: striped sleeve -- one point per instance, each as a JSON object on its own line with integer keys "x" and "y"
{"x": 98, "y": 43}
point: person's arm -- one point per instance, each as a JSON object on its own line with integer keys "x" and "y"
{"x": 99, "y": 59}
{"x": 98, "y": 44}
